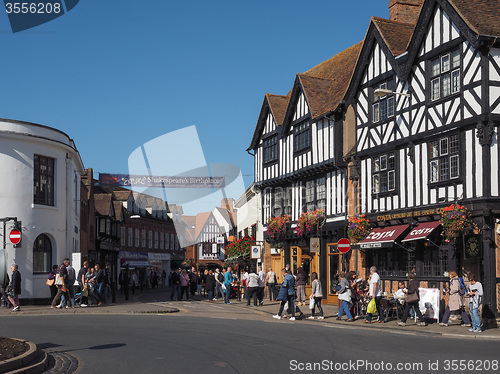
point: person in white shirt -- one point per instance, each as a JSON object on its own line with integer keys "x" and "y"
{"x": 271, "y": 282}
{"x": 475, "y": 300}
{"x": 375, "y": 293}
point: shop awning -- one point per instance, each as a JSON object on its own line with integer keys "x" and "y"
{"x": 137, "y": 264}
{"x": 383, "y": 235}
{"x": 421, "y": 231}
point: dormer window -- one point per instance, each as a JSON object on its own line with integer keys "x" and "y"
{"x": 445, "y": 75}
{"x": 271, "y": 149}
{"x": 383, "y": 106}
{"x": 302, "y": 136}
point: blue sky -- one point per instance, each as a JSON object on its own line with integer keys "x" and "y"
{"x": 114, "y": 74}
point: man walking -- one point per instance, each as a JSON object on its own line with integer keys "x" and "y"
{"x": 100, "y": 279}
{"x": 71, "y": 289}
{"x": 288, "y": 285}
{"x": 15, "y": 286}
{"x": 228, "y": 281}
{"x": 81, "y": 282}
{"x": 375, "y": 292}
{"x": 262, "y": 285}
{"x": 175, "y": 281}
{"x": 61, "y": 283}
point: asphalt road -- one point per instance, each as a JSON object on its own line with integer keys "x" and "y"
{"x": 184, "y": 343}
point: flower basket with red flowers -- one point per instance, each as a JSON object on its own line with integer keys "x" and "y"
{"x": 358, "y": 228}
{"x": 277, "y": 225}
{"x": 455, "y": 220}
{"x": 188, "y": 262}
{"x": 309, "y": 221}
{"x": 240, "y": 247}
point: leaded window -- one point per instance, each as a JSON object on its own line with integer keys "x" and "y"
{"x": 277, "y": 202}
{"x": 384, "y": 173}
{"x": 271, "y": 149}
{"x": 302, "y": 136}
{"x": 383, "y": 106}
{"x": 445, "y": 75}
{"x": 42, "y": 254}
{"x": 444, "y": 159}
{"x": 43, "y": 176}
{"x": 310, "y": 203}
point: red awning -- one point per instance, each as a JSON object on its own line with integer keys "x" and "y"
{"x": 382, "y": 235}
{"x": 421, "y": 231}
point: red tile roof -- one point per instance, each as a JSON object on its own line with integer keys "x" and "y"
{"x": 482, "y": 16}
{"x": 278, "y": 105}
{"x": 325, "y": 84}
{"x": 396, "y": 35}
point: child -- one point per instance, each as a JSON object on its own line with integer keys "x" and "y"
{"x": 476, "y": 295}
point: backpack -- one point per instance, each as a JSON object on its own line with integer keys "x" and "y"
{"x": 462, "y": 290}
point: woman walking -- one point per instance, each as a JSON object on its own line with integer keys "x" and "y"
{"x": 15, "y": 288}
{"x": 455, "y": 301}
{"x": 316, "y": 295}
{"x": 271, "y": 282}
{"x": 185, "y": 284}
{"x": 346, "y": 296}
{"x": 300, "y": 282}
{"x": 412, "y": 299}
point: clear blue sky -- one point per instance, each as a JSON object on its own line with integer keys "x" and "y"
{"x": 114, "y": 74}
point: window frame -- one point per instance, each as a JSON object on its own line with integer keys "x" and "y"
{"x": 43, "y": 196}
{"x": 46, "y": 248}
{"x": 445, "y": 78}
{"x": 270, "y": 149}
{"x": 380, "y": 101}
{"x": 302, "y": 137}
{"x": 383, "y": 171}
{"x": 443, "y": 158}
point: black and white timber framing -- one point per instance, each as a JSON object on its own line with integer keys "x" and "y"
{"x": 421, "y": 121}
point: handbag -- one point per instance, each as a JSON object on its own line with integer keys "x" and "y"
{"x": 312, "y": 303}
{"x": 372, "y": 307}
{"x": 223, "y": 286}
{"x": 59, "y": 281}
{"x": 11, "y": 292}
{"x": 50, "y": 282}
{"x": 412, "y": 297}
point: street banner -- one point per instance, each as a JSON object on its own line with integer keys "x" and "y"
{"x": 126, "y": 180}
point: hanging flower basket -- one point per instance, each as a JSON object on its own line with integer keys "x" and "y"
{"x": 456, "y": 220}
{"x": 240, "y": 247}
{"x": 310, "y": 221}
{"x": 277, "y": 225}
{"x": 358, "y": 228}
{"x": 188, "y": 262}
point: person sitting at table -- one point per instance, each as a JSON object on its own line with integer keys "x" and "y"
{"x": 400, "y": 294}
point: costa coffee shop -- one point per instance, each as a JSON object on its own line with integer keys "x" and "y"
{"x": 415, "y": 244}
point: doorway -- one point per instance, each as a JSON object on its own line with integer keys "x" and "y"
{"x": 309, "y": 261}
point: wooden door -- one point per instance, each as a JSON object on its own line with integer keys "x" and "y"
{"x": 302, "y": 257}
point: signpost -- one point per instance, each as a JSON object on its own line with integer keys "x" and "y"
{"x": 344, "y": 245}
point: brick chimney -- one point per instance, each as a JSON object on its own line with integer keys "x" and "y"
{"x": 406, "y": 11}
{"x": 227, "y": 203}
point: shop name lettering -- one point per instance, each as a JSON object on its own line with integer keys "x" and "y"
{"x": 419, "y": 213}
{"x": 157, "y": 181}
{"x": 381, "y": 235}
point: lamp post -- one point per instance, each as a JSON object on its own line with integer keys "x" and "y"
{"x": 384, "y": 91}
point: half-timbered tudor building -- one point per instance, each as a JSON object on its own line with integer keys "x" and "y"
{"x": 297, "y": 146}
{"x": 426, "y": 98}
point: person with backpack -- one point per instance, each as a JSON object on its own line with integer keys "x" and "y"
{"x": 455, "y": 301}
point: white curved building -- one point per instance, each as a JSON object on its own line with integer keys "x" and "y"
{"x": 40, "y": 170}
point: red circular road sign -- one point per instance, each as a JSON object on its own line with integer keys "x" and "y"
{"x": 344, "y": 245}
{"x": 15, "y": 236}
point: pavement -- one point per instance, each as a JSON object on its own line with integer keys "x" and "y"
{"x": 157, "y": 301}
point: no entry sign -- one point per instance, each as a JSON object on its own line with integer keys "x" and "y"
{"x": 344, "y": 245}
{"x": 15, "y": 236}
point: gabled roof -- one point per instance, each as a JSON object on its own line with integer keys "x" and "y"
{"x": 229, "y": 217}
{"x": 118, "y": 206}
{"x": 201, "y": 220}
{"x": 325, "y": 85}
{"x": 396, "y": 35}
{"x": 277, "y": 105}
{"x": 482, "y": 16}
{"x": 103, "y": 204}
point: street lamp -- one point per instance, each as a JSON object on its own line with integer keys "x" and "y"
{"x": 384, "y": 91}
